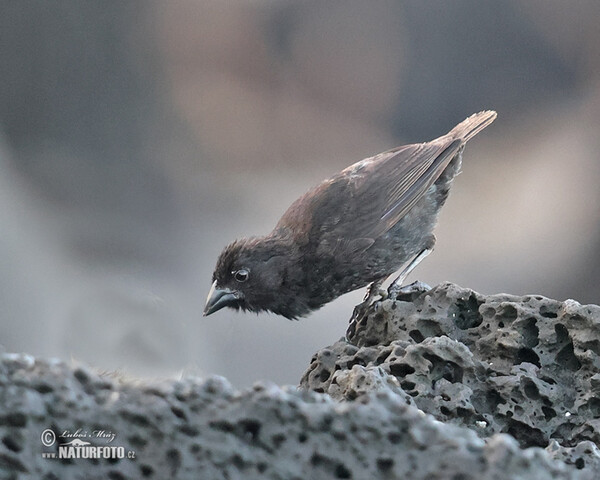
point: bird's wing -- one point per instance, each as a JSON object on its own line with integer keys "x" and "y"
{"x": 398, "y": 181}
{"x": 347, "y": 213}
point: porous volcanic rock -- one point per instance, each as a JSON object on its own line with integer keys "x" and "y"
{"x": 501, "y": 376}
{"x": 195, "y": 429}
{"x": 524, "y": 366}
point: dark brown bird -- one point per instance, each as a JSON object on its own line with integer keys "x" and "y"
{"x": 354, "y": 229}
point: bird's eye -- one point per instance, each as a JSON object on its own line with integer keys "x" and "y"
{"x": 241, "y": 275}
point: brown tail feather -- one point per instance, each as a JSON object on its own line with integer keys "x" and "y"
{"x": 470, "y": 127}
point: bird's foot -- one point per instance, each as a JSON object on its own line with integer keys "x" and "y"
{"x": 360, "y": 311}
{"x": 407, "y": 292}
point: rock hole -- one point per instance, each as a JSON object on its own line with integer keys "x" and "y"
{"x": 548, "y": 380}
{"x": 342, "y": 472}
{"x": 429, "y": 328}
{"x": 593, "y": 345}
{"x": 548, "y": 312}
{"x": 189, "y": 430}
{"x": 302, "y": 437}
{"x": 250, "y": 428}
{"x": 530, "y": 332}
{"x": 530, "y": 389}
{"x": 178, "y": 412}
{"x": 487, "y": 402}
{"x": 443, "y": 369}
{"x": 579, "y": 463}
{"x": 564, "y": 434}
{"x": 14, "y": 420}
{"x": 173, "y": 460}
{"x": 562, "y": 334}
{"x": 81, "y": 376}
{"x": 401, "y": 369}
{"x": 238, "y": 461}
{"x": 416, "y": 336}
{"x": 12, "y": 444}
{"x": 466, "y": 312}
{"x": 146, "y": 470}
{"x": 43, "y": 388}
{"x": 549, "y": 413}
{"x": 445, "y": 410}
{"x": 567, "y": 358}
{"x": 394, "y": 437}
{"x": 356, "y": 361}
{"x": 594, "y": 407}
{"x": 526, "y": 436}
{"x": 114, "y": 475}
{"x": 463, "y": 413}
{"x": 527, "y": 355}
{"x": 381, "y": 358}
{"x": 324, "y": 375}
{"x": 221, "y": 425}
{"x": 566, "y": 355}
{"x": 407, "y": 386}
{"x": 385, "y": 464}
{"x": 508, "y": 311}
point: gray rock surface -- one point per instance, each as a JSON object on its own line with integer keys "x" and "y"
{"x": 502, "y": 375}
{"x": 205, "y": 430}
{"x": 525, "y": 366}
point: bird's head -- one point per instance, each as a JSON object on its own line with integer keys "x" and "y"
{"x": 251, "y": 274}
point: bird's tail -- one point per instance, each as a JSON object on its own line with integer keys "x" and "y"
{"x": 470, "y": 127}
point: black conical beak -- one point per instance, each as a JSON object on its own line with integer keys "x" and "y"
{"x": 219, "y": 298}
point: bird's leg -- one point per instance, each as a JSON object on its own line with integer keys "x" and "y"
{"x": 360, "y": 310}
{"x": 396, "y": 286}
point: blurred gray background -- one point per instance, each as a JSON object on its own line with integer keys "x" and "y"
{"x": 138, "y": 138}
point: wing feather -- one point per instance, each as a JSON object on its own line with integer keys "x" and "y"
{"x": 346, "y": 213}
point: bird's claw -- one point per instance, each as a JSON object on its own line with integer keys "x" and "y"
{"x": 394, "y": 291}
{"x": 360, "y": 311}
